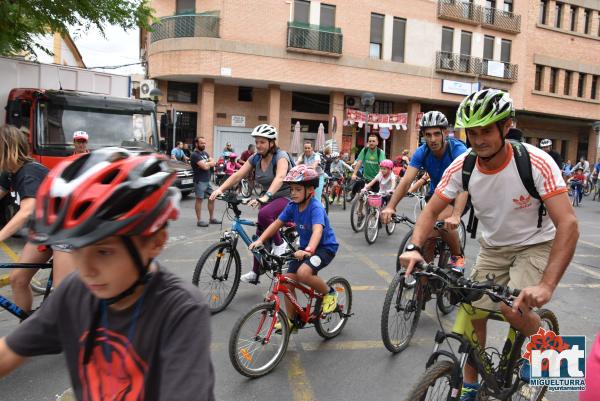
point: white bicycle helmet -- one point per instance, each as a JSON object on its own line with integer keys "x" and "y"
{"x": 433, "y": 119}
{"x": 335, "y": 154}
{"x": 545, "y": 142}
{"x": 265, "y": 131}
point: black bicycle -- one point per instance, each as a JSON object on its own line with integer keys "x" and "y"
{"x": 9, "y": 305}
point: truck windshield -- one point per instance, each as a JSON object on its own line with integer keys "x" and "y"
{"x": 104, "y": 127}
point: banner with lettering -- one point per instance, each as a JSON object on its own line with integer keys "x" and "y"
{"x": 398, "y": 120}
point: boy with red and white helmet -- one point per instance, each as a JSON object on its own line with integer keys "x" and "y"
{"x": 124, "y": 323}
{"x": 80, "y": 141}
{"x": 318, "y": 245}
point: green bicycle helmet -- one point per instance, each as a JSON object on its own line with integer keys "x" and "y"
{"x": 483, "y": 108}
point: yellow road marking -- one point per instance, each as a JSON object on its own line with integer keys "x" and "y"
{"x": 8, "y": 251}
{"x": 301, "y": 389}
{"x": 387, "y": 277}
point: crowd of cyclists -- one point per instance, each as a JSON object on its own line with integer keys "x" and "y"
{"x": 123, "y": 315}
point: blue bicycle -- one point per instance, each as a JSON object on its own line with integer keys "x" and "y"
{"x": 576, "y": 190}
{"x": 218, "y": 270}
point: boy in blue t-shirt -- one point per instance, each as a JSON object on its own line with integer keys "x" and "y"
{"x": 318, "y": 245}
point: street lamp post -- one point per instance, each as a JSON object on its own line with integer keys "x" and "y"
{"x": 367, "y": 100}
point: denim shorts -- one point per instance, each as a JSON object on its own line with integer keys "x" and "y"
{"x": 318, "y": 261}
{"x": 203, "y": 189}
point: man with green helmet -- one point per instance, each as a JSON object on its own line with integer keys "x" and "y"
{"x": 516, "y": 250}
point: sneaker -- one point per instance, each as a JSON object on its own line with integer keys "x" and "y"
{"x": 457, "y": 263}
{"x": 214, "y": 221}
{"x": 291, "y": 325}
{"x": 280, "y": 249}
{"x": 339, "y": 201}
{"x": 469, "y": 392}
{"x": 202, "y": 223}
{"x": 525, "y": 371}
{"x": 329, "y": 302}
{"x": 249, "y": 277}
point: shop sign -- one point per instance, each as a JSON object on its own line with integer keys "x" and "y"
{"x": 459, "y": 88}
{"x": 238, "y": 121}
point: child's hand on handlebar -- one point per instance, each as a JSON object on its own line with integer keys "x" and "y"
{"x": 256, "y": 244}
{"x": 301, "y": 255}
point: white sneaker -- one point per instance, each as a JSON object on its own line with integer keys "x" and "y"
{"x": 249, "y": 277}
{"x": 279, "y": 250}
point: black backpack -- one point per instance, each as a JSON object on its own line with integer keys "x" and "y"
{"x": 523, "y": 161}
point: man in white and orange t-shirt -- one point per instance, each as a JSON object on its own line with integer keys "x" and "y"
{"x": 513, "y": 248}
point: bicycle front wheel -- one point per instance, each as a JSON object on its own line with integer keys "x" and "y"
{"x": 400, "y": 314}
{"x": 255, "y": 346}
{"x": 332, "y": 324}
{"x": 372, "y": 227}
{"x": 402, "y": 247}
{"x": 358, "y": 214}
{"x": 217, "y": 274}
{"x": 434, "y": 384}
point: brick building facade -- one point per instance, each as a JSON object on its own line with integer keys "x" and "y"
{"x": 227, "y": 66}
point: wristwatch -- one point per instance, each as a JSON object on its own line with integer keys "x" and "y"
{"x": 269, "y": 195}
{"x": 412, "y": 247}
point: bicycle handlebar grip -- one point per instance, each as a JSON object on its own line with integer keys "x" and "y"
{"x": 515, "y": 292}
{"x": 439, "y": 225}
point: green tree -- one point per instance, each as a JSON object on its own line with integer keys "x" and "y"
{"x": 22, "y": 20}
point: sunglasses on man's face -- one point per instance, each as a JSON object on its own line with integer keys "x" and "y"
{"x": 80, "y": 141}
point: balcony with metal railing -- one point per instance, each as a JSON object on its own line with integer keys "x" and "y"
{"x": 501, "y": 20}
{"x": 186, "y": 26}
{"x": 457, "y": 63}
{"x": 306, "y": 38}
{"x": 499, "y": 70}
{"x": 459, "y": 10}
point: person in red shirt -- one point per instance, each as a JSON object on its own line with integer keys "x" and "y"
{"x": 246, "y": 154}
{"x": 577, "y": 180}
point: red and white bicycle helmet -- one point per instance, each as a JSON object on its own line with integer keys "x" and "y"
{"x": 303, "y": 175}
{"x": 110, "y": 191}
{"x": 387, "y": 163}
{"x": 80, "y": 136}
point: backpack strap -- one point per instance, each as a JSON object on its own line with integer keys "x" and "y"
{"x": 467, "y": 169}
{"x": 523, "y": 162}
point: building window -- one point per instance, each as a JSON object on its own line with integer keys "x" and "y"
{"x": 376, "y": 35}
{"x": 539, "y": 74}
{"x": 182, "y": 92}
{"x": 573, "y": 18}
{"x": 310, "y": 103}
{"x": 553, "y": 74}
{"x": 543, "y": 11}
{"x": 567, "y": 88}
{"x": 301, "y": 11}
{"x": 508, "y": 6}
{"x": 558, "y": 14}
{"x": 327, "y": 16}
{"x": 488, "y": 47}
{"x": 505, "y": 51}
{"x": 465, "y": 43}
{"x": 489, "y": 11}
{"x": 185, "y": 7}
{"x": 383, "y": 107}
{"x": 594, "y": 93}
{"x": 586, "y": 21}
{"x": 398, "y": 41}
{"x": 581, "y": 85}
{"x": 244, "y": 94}
{"x": 447, "y": 39}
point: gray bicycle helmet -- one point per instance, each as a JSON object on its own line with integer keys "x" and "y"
{"x": 545, "y": 142}
{"x": 265, "y": 131}
{"x": 433, "y": 119}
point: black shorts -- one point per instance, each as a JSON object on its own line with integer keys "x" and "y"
{"x": 318, "y": 261}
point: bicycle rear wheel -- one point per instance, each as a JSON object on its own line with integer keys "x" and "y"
{"x": 390, "y": 227}
{"x": 372, "y": 226}
{"x": 250, "y": 352}
{"x": 332, "y": 324}
{"x": 245, "y": 188}
{"x": 462, "y": 235}
{"x": 401, "y": 312}
{"x": 434, "y": 384}
{"x": 39, "y": 282}
{"x": 217, "y": 274}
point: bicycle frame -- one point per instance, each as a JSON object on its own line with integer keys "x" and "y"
{"x": 11, "y": 306}
{"x": 498, "y": 380}
{"x": 304, "y": 314}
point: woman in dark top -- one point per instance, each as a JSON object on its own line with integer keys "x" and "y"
{"x": 25, "y": 177}
{"x": 270, "y": 166}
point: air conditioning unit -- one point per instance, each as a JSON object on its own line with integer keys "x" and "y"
{"x": 145, "y": 87}
{"x": 352, "y": 102}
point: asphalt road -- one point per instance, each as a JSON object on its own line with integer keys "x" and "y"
{"x": 353, "y": 366}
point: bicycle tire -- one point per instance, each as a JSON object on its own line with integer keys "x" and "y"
{"x": 341, "y": 286}
{"x": 267, "y": 310}
{"x": 245, "y": 188}
{"x": 258, "y": 189}
{"x": 532, "y": 393}
{"x": 359, "y": 224}
{"x": 372, "y": 227}
{"x": 215, "y": 283}
{"x": 325, "y": 203}
{"x": 410, "y": 312}
{"x": 401, "y": 248}
{"x": 428, "y": 380}
{"x": 39, "y": 281}
{"x": 390, "y": 227}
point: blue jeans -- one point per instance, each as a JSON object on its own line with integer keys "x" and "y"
{"x": 319, "y": 190}
{"x": 577, "y": 188}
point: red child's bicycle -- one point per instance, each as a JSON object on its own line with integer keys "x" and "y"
{"x": 256, "y": 346}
